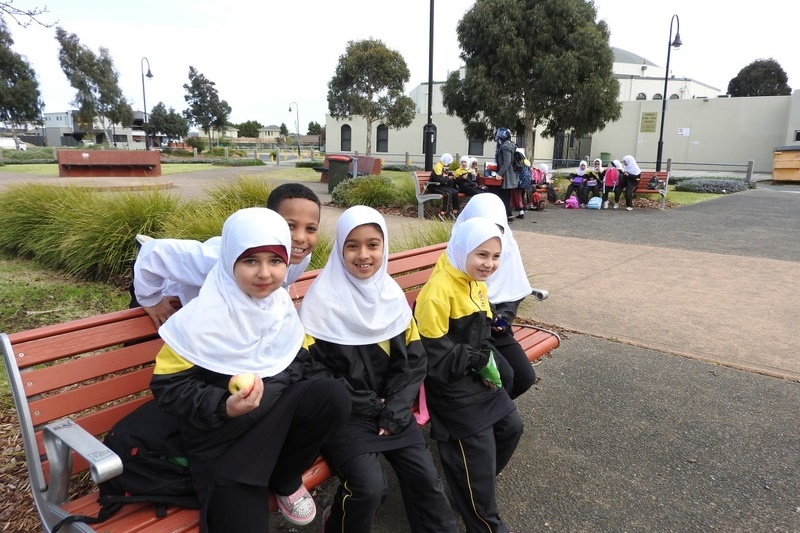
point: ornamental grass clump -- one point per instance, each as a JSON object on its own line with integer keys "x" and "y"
{"x": 712, "y": 185}
{"x": 372, "y": 191}
{"x": 241, "y": 192}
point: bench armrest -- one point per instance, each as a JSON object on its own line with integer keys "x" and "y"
{"x": 540, "y": 294}
{"x": 62, "y": 437}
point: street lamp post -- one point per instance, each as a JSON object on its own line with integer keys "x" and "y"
{"x": 144, "y": 100}
{"x": 670, "y": 44}
{"x": 429, "y": 130}
{"x": 297, "y": 110}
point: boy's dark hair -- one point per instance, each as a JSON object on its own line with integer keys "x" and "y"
{"x": 287, "y": 191}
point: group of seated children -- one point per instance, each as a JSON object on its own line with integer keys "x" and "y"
{"x": 341, "y": 377}
{"x": 586, "y": 183}
{"x": 449, "y": 183}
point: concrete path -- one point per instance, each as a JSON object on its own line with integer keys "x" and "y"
{"x": 672, "y": 404}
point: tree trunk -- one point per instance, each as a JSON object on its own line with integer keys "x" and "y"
{"x": 369, "y": 137}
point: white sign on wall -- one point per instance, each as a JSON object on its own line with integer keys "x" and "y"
{"x": 684, "y": 132}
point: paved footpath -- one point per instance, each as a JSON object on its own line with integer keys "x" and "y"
{"x": 672, "y": 404}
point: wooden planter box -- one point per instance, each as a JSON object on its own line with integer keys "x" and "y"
{"x": 786, "y": 164}
{"x": 103, "y": 163}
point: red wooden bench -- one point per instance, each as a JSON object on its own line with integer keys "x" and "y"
{"x": 71, "y": 382}
{"x": 421, "y": 180}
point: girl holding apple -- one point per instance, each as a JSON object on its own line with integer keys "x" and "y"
{"x": 269, "y": 431}
{"x": 364, "y": 332}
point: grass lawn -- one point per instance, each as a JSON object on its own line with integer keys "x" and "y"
{"x": 51, "y": 169}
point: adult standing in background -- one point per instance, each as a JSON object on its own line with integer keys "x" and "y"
{"x": 504, "y": 156}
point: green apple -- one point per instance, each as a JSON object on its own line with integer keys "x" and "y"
{"x": 244, "y": 382}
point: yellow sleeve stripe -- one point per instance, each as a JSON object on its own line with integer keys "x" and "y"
{"x": 169, "y": 362}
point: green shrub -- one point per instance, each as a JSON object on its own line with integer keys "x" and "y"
{"x": 177, "y": 152}
{"x": 374, "y": 191}
{"x": 402, "y": 168}
{"x": 196, "y": 142}
{"x": 238, "y": 162}
{"x": 198, "y": 220}
{"x": 712, "y": 185}
{"x": 308, "y": 164}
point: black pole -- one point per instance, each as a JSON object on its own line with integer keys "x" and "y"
{"x": 670, "y": 43}
{"x": 429, "y": 130}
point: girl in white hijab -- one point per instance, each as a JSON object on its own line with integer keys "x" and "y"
{"x": 364, "y": 332}
{"x": 508, "y": 286}
{"x": 476, "y": 425}
{"x": 262, "y": 437}
{"x": 576, "y": 184}
{"x": 631, "y": 174}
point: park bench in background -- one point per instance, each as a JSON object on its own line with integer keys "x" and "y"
{"x": 101, "y": 163}
{"x": 71, "y": 382}
{"x": 421, "y": 180}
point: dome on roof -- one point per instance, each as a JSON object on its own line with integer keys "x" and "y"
{"x": 623, "y": 56}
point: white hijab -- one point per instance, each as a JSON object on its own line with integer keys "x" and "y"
{"x": 343, "y": 309}
{"x": 469, "y": 235}
{"x": 582, "y": 167}
{"x": 225, "y": 330}
{"x": 510, "y": 282}
{"x": 630, "y": 165}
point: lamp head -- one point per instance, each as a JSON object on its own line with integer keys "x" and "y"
{"x": 290, "y": 109}
{"x": 149, "y": 74}
{"x": 677, "y": 42}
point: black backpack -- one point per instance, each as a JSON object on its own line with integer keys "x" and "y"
{"x": 518, "y": 161}
{"x": 155, "y": 468}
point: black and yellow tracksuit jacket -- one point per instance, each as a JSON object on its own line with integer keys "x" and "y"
{"x": 453, "y": 315}
{"x": 197, "y": 395}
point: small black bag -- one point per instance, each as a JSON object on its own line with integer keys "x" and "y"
{"x": 155, "y": 468}
{"x": 653, "y": 183}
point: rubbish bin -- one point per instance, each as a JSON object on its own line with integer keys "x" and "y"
{"x": 338, "y": 170}
{"x": 605, "y": 157}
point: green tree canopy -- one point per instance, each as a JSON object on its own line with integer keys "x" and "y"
{"x": 284, "y": 130}
{"x": 206, "y": 110}
{"x": 20, "y": 99}
{"x": 249, "y": 128}
{"x": 531, "y": 63}
{"x": 169, "y": 123}
{"x": 314, "y": 128}
{"x": 763, "y": 77}
{"x": 96, "y": 81}
{"x": 369, "y": 82}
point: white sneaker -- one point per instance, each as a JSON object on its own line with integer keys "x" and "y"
{"x": 616, "y": 206}
{"x": 605, "y": 204}
{"x": 629, "y": 208}
{"x": 297, "y": 508}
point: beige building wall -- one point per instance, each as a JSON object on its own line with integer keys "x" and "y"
{"x": 703, "y": 133}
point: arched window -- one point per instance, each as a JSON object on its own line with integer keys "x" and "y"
{"x": 382, "y": 141}
{"x": 658, "y": 96}
{"x": 347, "y": 135}
{"x": 674, "y": 96}
{"x": 641, "y": 96}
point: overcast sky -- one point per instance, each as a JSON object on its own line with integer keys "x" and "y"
{"x": 264, "y": 55}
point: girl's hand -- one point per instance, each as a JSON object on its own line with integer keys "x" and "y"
{"x": 243, "y": 401}
{"x": 160, "y": 312}
{"x": 382, "y": 432}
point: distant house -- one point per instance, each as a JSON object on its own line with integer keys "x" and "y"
{"x": 269, "y": 134}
